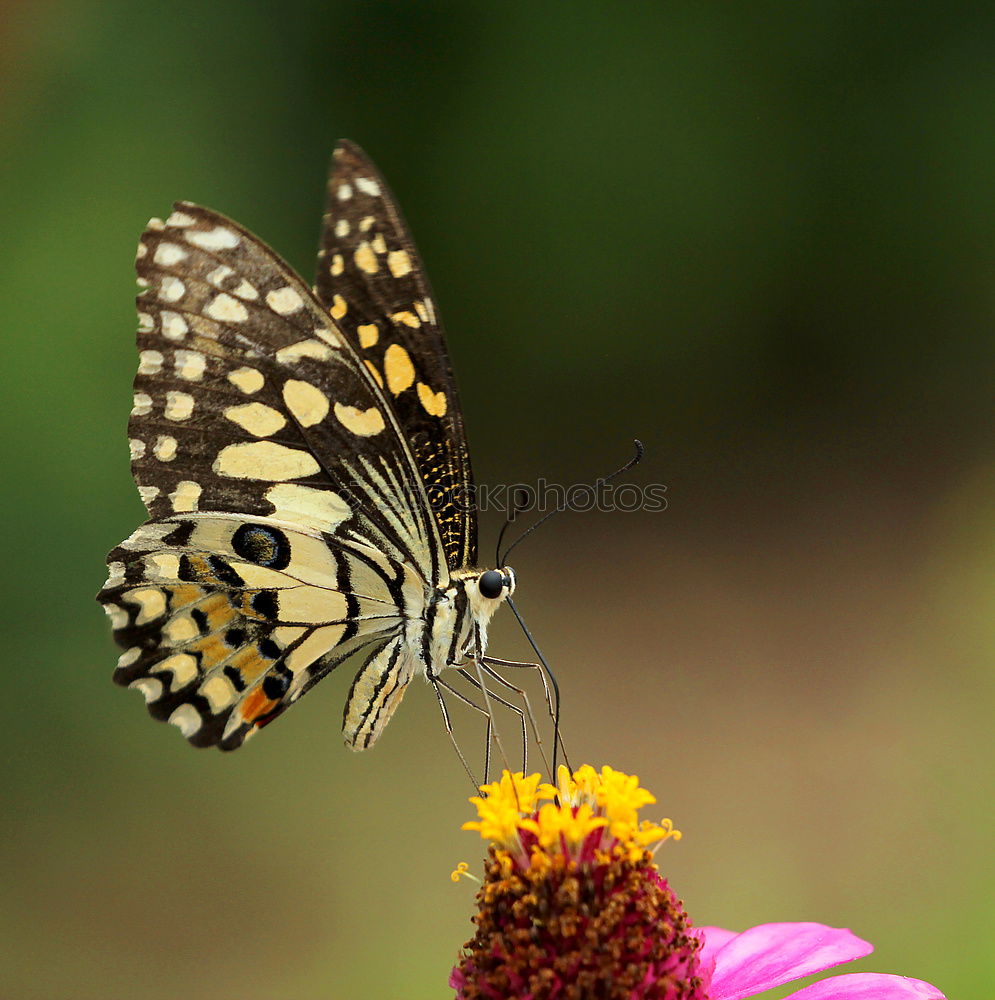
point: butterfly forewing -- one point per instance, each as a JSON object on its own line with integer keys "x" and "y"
{"x": 371, "y": 281}
{"x": 290, "y": 524}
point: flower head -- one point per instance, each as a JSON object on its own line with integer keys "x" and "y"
{"x": 573, "y": 906}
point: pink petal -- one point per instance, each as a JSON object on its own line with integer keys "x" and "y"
{"x": 868, "y": 986}
{"x": 714, "y": 938}
{"x": 773, "y": 954}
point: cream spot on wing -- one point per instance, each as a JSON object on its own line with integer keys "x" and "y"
{"x": 142, "y": 405}
{"x": 366, "y": 224}
{"x": 141, "y": 251}
{"x": 190, "y": 365}
{"x": 249, "y": 380}
{"x": 304, "y": 349}
{"x": 118, "y": 616}
{"x": 305, "y": 401}
{"x": 179, "y": 406}
{"x": 187, "y": 719}
{"x": 264, "y": 460}
{"x": 398, "y": 368}
{"x": 151, "y": 602}
{"x": 421, "y": 310}
{"x": 185, "y": 497}
{"x": 147, "y": 536}
{"x": 365, "y": 423}
{"x": 430, "y": 309}
{"x": 377, "y": 377}
{"x": 256, "y": 418}
{"x": 366, "y": 259}
{"x": 136, "y": 447}
{"x": 286, "y": 634}
{"x": 218, "y": 238}
{"x": 148, "y": 493}
{"x": 179, "y": 630}
{"x": 115, "y": 574}
{"x": 142, "y": 283}
{"x": 339, "y": 307}
{"x": 342, "y": 228}
{"x": 149, "y": 363}
{"x": 145, "y": 323}
{"x": 168, "y": 254}
{"x": 171, "y": 289}
{"x": 344, "y": 192}
{"x": 157, "y": 224}
{"x": 399, "y": 263}
{"x": 407, "y": 318}
{"x": 226, "y": 309}
{"x": 219, "y": 692}
{"x": 337, "y": 266}
{"x": 129, "y": 656}
{"x": 219, "y": 274}
{"x": 378, "y": 243}
{"x": 369, "y": 334}
{"x": 368, "y": 186}
{"x": 164, "y": 448}
{"x": 176, "y": 219}
{"x": 434, "y": 402}
{"x": 163, "y": 565}
{"x": 320, "y": 509}
{"x": 246, "y": 290}
{"x": 174, "y": 326}
{"x": 284, "y": 300}
{"x": 151, "y": 688}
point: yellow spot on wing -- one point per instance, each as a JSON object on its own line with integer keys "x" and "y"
{"x": 365, "y": 423}
{"x": 256, "y": 418}
{"x": 321, "y": 509}
{"x": 305, "y": 401}
{"x": 407, "y": 318}
{"x": 182, "y": 666}
{"x": 247, "y": 379}
{"x": 339, "y": 307}
{"x": 219, "y": 692}
{"x": 398, "y": 368}
{"x": 337, "y": 266}
{"x": 151, "y": 601}
{"x": 366, "y": 259}
{"x": 304, "y": 349}
{"x": 378, "y": 243}
{"x": 369, "y": 334}
{"x": 185, "y": 497}
{"x": 264, "y": 460}
{"x": 434, "y": 402}
{"x": 179, "y": 406}
{"x": 399, "y": 263}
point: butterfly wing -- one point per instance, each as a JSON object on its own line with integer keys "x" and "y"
{"x": 253, "y": 412}
{"x": 371, "y": 280}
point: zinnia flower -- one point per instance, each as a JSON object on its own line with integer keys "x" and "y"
{"x": 573, "y": 906}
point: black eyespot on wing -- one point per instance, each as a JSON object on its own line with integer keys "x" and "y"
{"x": 490, "y": 584}
{"x": 235, "y": 676}
{"x": 262, "y": 545}
{"x": 269, "y": 649}
{"x": 276, "y": 684}
{"x": 200, "y": 617}
{"x": 265, "y": 603}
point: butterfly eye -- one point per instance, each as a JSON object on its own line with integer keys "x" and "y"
{"x": 491, "y": 584}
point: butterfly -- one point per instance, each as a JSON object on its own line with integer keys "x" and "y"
{"x": 302, "y": 456}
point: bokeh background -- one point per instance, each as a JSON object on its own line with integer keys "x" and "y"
{"x": 760, "y": 237}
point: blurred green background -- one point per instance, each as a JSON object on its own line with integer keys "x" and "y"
{"x": 761, "y": 237}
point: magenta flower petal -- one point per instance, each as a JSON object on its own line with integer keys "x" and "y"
{"x": 713, "y": 938}
{"x": 774, "y": 954}
{"x": 868, "y": 986}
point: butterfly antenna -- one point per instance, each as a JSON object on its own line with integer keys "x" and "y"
{"x": 513, "y": 510}
{"x": 604, "y": 480}
{"x": 557, "y": 741}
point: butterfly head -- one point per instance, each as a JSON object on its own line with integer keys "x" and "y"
{"x": 496, "y": 584}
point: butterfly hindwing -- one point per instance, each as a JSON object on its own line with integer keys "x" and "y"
{"x": 225, "y": 621}
{"x": 371, "y": 281}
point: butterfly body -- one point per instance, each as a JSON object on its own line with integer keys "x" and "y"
{"x": 302, "y": 457}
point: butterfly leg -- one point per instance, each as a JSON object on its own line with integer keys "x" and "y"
{"x": 552, "y": 704}
{"x": 477, "y": 682}
{"x": 440, "y": 685}
{"x": 488, "y": 668}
